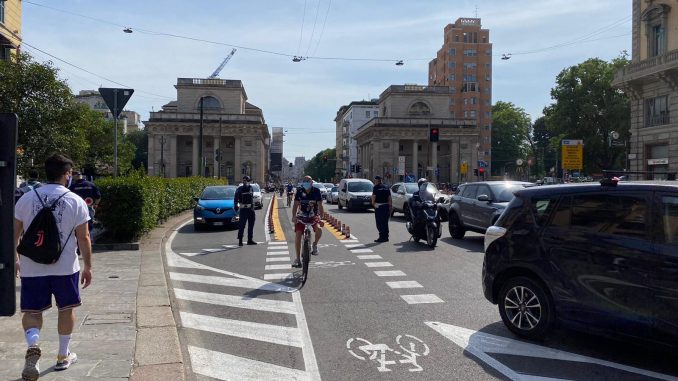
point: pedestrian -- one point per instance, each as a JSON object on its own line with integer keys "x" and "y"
{"x": 40, "y": 281}
{"x": 381, "y": 201}
{"x": 27, "y": 185}
{"x": 244, "y": 201}
{"x": 89, "y": 192}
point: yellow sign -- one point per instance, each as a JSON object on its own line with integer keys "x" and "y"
{"x": 573, "y": 155}
{"x": 464, "y": 168}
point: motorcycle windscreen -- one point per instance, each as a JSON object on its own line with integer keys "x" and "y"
{"x": 427, "y": 192}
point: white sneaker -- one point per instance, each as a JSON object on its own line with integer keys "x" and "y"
{"x": 31, "y": 369}
{"x": 63, "y": 362}
{"x": 315, "y": 249}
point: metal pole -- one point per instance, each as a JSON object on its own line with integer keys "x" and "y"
{"x": 115, "y": 148}
{"x": 162, "y": 155}
{"x": 200, "y": 160}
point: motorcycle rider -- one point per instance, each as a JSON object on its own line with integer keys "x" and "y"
{"x": 415, "y": 201}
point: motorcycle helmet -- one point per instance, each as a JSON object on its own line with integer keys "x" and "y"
{"x": 421, "y": 181}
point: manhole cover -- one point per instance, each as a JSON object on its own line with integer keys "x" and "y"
{"x": 111, "y": 318}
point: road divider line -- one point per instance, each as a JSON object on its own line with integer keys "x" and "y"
{"x": 221, "y": 281}
{"x": 421, "y": 298}
{"x": 245, "y": 329}
{"x": 404, "y": 284}
{"x": 378, "y": 264}
{"x": 236, "y": 301}
{"x": 389, "y": 273}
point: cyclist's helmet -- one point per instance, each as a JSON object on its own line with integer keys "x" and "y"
{"x": 421, "y": 181}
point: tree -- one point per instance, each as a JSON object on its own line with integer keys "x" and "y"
{"x": 587, "y": 107}
{"x": 140, "y": 140}
{"x": 540, "y": 144}
{"x": 321, "y": 169}
{"x": 510, "y": 135}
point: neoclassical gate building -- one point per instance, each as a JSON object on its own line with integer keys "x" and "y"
{"x": 235, "y": 139}
{"x": 407, "y": 113}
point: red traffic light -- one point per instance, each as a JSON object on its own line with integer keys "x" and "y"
{"x": 481, "y": 170}
{"x": 434, "y": 134}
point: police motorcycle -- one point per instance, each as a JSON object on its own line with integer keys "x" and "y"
{"x": 425, "y": 224}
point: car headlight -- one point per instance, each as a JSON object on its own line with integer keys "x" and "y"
{"x": 199, "y": 208}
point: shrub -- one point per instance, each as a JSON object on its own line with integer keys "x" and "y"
{"x": 132, "y": 206}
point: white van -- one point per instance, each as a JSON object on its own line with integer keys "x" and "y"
{"x": 355, "y": 194}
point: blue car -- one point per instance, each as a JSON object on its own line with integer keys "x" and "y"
{"x": 215, "y": 207}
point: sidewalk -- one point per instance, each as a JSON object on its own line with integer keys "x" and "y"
{"x": 124, "y": 329}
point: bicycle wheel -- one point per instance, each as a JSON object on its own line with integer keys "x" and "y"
{"x": 305, "y": 258}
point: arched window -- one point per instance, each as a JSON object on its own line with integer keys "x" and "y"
{"x": 210, "y": 103}
{"x": 656, "y": 20}
{"x": 419, "y": 108}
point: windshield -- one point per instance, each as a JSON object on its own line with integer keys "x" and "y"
{"x": 504, "y": 192}
{"x": 427, "y": 192}
{"x": 411, "y": 188}
{"x": 335, "y": 189}
{"x": 320, "y": 186}
{"x": 255, "y": 187}
{"x": 360, "y": 186}
{"x": 218, "y": 193}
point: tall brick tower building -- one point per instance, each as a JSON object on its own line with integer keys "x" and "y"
{"x": 465, "y": 63}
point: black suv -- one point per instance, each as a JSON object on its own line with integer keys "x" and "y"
{"x": 599, "y": 257}
{"x": 476, "y": 206}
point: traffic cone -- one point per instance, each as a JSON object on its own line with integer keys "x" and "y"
{"x": 343, "y": 227}
{"x": 347, "y": 233}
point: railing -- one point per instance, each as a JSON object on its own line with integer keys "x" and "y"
{"x": 657, "y": 120}
{"x": 669, "y": 58}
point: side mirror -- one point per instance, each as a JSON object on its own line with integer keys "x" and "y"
{"x": 196, "y": 199}
{"x": 484, "y": 197}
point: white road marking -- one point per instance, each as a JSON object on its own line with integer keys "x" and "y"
{"x": 223, "y": 366}
{"x": 481, "y": 344}
{"x": 404, "y": 284}
{"x": 278, "y": 243}
{"x": 221, "y": 281}
{"x": 378, "y": 264}
{"x": 356, "y": 251}
{"x": 191, "y": 254}
{"x": 241, "y": 301}
{"x": 353, "y": 237}
{"x": 277, "y": 267}
{"x": 212, "y": 250}
{"x": 276, "y": 248}
{"x": 421, "y": 298}
{"x": 279, "y": 276}
{"x": 278, "y": 253}
{"x": 246, "y": 329}
{"x": 349, "y": 241}
{"x": 369, "y": 256}
{"x": 354, "y": 245}
{"x": 278, "y": 259}
{"x": 390, "y": 273}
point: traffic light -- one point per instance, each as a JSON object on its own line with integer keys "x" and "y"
{"x": 291, "y": 165}
{"x": 352, "y": 167}
{"x": 481, "y": 172}
{"x": 357, "y": 168}
{"x": 475, "y": 171}
{"x": 434, "y": 134}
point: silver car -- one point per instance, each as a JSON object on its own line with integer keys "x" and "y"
{"x": 400, "y": 196}
{"x": 323, "y": 190}
{"x": 333, "y": 195}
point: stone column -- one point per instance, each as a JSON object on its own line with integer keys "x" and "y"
{"x": 151, "y": 155}
{"x": 195, "y": 158}
{"x": 217, "y": 145}
{"x": 172, "y": 156}
{"x": 455, "y": 176}
{"x": 237, "y": 175}
{"x": 415, "y": 159}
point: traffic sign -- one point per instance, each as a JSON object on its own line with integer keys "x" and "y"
{"x": 115, "y": 99}
{"x": 573, "y": 154}
{"x": 464, "y": 168}
{"x": 401, "y": 165}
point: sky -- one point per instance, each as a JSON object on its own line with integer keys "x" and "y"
{"x": 543, "y": 37}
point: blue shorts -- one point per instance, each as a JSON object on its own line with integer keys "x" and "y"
{"x": 36, "y": 292}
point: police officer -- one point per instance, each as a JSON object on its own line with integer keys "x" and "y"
{"x": 244, "y": 200}
{"x": 88, "y": 192}
{"x": 381, "y": 201}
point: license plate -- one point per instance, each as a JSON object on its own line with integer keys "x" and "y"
{"x": 366, "y": 203}
{"x": 218, "y": 223}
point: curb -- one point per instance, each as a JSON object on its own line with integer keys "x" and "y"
{"x": 157, "y": 352}
{"x": 130, "y": 246}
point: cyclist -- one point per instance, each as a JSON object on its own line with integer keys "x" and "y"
{"x": 308, "y": 206}
{"x": 290, "y": 192}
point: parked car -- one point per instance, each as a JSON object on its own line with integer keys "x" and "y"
{"x": 477, "y": 206}
{"x": 355, "y": 194}
{"x": 323, "y": 190}
{"x": 329, "y": 186}
{"x": 215, "y": 207}
{"x": 333, "y": 195}
{"x": 400, "y": 196}
{"x": 258, "y": 201}
{"x": 598, "y": 257}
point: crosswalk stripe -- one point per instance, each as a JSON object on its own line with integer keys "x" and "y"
{"x": 228, "y": 282}
{"x": 389, "y": 273}
{"x": 278, "y": 253}
{"x": 274, "y": 248}
{"x": 422, "y": 298}
{"x": 246, "y": 329}
{"x": 354, "y": 245}
{"x": 278, "y": 243}
{"x": 356, "y": 251}
{"x": 277, "y": 267}
{"x": 236, "y": 301}
{"x": 345, "y": 241}
{"x": 404, "y": 284}
{"x": 368, "y": 256}
{"x": 278, "y": 259}
{"x": 378, "y": 264}
{"x": 278, "y": 276}
{"x": 223, "y": 366}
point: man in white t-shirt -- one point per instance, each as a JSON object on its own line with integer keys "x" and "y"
{"x": 40, "y": 281}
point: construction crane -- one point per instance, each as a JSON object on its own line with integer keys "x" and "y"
{"x": 223, "y": 63}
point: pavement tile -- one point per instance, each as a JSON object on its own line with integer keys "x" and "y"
{"x": 153, "y": 296}
{"x": 157, "y": 346}
{"x": 155, "y": 317}
{"x": 164, "y": 372}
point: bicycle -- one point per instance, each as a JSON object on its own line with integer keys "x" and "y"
{"x": 306, "y": 246}
{"x": 289, "y": 199}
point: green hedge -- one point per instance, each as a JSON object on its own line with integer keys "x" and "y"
{"x": 132, "y": 206}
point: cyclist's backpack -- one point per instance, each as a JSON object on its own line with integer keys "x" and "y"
{"x": 41, "y": 241}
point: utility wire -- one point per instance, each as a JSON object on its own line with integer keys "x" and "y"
{"x": 322, "y": 31}
{"x": 301, "y": 35}
{"x": 315, "y": 21}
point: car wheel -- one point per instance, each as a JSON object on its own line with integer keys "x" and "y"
{"x": 454, "y": 225}
{"x": 526, "y": 308}
{"x": 197, "y": 227}
{"x": 340, "y": 206}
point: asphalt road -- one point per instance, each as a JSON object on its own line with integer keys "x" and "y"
{"x": 389, "y": 311}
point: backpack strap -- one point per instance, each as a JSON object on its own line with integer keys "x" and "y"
{"x": 53, "y": 206}
{"x": 39, "y": 198}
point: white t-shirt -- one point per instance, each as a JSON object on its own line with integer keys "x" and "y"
{"x": 71, "y": 211}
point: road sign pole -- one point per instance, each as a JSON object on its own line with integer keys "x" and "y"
{"x": 115, "y": 148}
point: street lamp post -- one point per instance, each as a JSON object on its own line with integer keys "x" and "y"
{"x": 200, "y": 158}
{"x": 162, "y": 154}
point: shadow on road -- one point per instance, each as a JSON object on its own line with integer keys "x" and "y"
{"x": 412, "y": 247}
{"x": 190, "y": 228}
{"x": 472, "y": 244}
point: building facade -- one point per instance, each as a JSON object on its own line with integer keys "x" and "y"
{"x": 129, "y": 120}
{"x": 349, "y": 118}
{"x": 299, "y": 167}
{"x": 10, "y": 27}
{"x": 464, "y": 63}
{"x": 277, "y": 136}
{"x": 651, "y": 82}
{"x": 401, "y": 135}
{"x": 235, "y": 138}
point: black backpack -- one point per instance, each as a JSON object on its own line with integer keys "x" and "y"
{"x": 41, "y": 241}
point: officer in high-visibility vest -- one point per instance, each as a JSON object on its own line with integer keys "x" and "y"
{"x": 244, "y": 201}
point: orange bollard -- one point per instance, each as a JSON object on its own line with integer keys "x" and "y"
{"x": 343, "y": 227}
{"x": 348, "y": 232}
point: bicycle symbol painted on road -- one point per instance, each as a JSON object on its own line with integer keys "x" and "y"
{"x": 410, "y": 349}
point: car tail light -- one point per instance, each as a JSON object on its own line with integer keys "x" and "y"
{"x": 492, "y": 234}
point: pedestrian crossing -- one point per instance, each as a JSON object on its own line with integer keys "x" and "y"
{"x": 238, "y": 327}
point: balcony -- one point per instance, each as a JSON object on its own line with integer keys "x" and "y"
{"x": 657, "y": 120}
{"x": 654, "y": 66}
